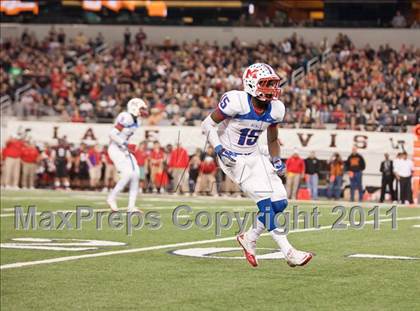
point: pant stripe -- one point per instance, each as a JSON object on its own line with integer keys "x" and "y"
{"x": 132, "y": 163}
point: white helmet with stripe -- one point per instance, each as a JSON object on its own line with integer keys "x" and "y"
{"x": 137, "y": 107}
{"x": 261, "y": 81}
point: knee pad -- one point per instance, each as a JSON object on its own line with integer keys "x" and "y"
{"x": 266, "y": 214}
{"x": 268, "y": 211}
{"x": 279, "y": 206}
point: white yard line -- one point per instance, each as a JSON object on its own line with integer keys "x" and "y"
{"x": 159, "y": 247}
{"x": 40, "y": 194}
{"x": 382, "y": 257}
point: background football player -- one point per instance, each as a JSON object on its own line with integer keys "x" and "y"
{"x": 121, "y": 152}
{"x": 233, "y": 129}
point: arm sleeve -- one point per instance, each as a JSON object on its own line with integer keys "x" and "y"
{"x": 209, "y": 128}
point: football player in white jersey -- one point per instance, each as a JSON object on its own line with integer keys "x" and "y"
{"x": 121, "y": 152}
{"x": 233, "y": 129}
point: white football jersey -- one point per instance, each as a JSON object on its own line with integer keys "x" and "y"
{"x": 126, "y": 124}
{"x": 240, "y": 130}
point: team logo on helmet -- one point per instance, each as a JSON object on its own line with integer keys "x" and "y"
{"x": 251, "y": 73}
{"x": 261, "y": 81}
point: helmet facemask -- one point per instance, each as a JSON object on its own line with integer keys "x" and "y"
{"x": 268, "y": 88}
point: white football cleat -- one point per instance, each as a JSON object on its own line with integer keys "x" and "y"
{"x": 249, "y": 249}
{"x": 134, "y": 210}
{"x": 112, "y": 204}
{"x": 297, "y": 258}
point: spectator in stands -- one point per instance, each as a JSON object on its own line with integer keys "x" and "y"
{"x": 403, "y": 169}
{"x": 30, "y": 157}
{"x": 142, "y": 155}
{"x": 194, "y": 169}
{"x": 295, "y": 167}
{"x": 206, "y": 181}
{"x": 157, "y": 157}
{"x": 80, "y": 40}
{"x": 399, "y": 21}
{"x": 61, "y": 37}
{"x": 46, "y": 168}
{"x": 352, "y": 78}
{"x": 11, "y": 156}
{"x": 111, "y": 174}
{"x": 61, "y": 158}
{"x": 312, "y": 169}
{"x": 76, "y": 117}
{"x": 355, "y": 165}
{"x": 95, "y": 165}
{"x": 82, "y": 167}
{"x": 178, "y": 167}
{"x": 127, "y": 37}
{"x": 140, "y": 37}
{"x": 387, "y": 170}
{"x": 230, "y": 187}
{"x": 336, "y": 176}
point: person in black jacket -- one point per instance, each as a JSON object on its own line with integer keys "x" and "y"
{"x": 355, "y": 165}
{"x": 312, "y": 174}
{"x": 387, "y": 170}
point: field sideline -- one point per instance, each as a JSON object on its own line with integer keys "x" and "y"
{"x": 170, "y": 268}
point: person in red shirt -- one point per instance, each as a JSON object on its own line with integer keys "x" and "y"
{"x": 95, "y": 91}
{"x": 95, "y": 165}
{"x": 11, "y": 156}
{"x": 206, "y": 181}
{"x": 178, "y": 168}
{"x": 56, "y": 79}
{"x": 295, "y": 167}
{"x": 157, "y": 157}
{"x": 76, "y": 117}
{"x": 141, "y": 155}
{"x": 30, "y": 157}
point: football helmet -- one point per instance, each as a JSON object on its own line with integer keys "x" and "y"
{"x": 137, "y": 107}
{"x": 261, "y": 81}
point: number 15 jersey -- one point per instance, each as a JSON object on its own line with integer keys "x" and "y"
{"x": 240, "y": 131}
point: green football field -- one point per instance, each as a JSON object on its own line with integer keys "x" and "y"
{"x": 163, "y": 267}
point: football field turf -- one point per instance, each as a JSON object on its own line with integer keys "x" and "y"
{"x": 174, "y": 269}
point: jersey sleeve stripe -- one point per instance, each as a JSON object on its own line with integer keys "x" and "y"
{"x": 119, "y": 126}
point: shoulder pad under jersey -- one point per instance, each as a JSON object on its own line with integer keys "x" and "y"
{"x": 125, "y": 119}
{"x": 233, "y": 103}
{"x": 277, "y": 110}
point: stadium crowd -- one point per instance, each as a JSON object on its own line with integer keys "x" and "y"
{"x": 171, "y": 169}
{"x": 357, "y": 88}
